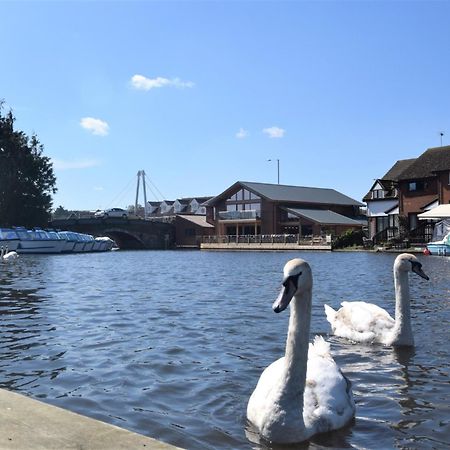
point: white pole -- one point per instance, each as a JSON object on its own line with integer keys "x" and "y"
{"x": 137, "y": 192}
{"x": 145, "y": 194}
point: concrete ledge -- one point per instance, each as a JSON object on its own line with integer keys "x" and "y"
{"x": 31, "y": 424}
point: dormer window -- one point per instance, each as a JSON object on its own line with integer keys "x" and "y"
{"x": 378, "y": 193}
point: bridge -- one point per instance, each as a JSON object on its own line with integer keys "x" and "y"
{"x": 128, "y": 233}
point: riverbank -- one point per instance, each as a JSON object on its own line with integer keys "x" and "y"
{"x": 26, "y": 423}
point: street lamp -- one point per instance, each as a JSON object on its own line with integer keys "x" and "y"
{"x": 278, "y": 169}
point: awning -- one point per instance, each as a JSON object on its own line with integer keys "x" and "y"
{"x": 323, "y": 217}
{"x": 440, "y": 212}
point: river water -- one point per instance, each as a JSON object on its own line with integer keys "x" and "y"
{"x": 171, "y": 344}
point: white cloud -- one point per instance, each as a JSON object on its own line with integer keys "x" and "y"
{"x": 95, "y": 126}
{"x": 99, "y": 188}
{"x": 274, "y": 132}
{"x": 145, "y": 84}
{"x": 59, "y": 164}
{"x": 241, "y": 134}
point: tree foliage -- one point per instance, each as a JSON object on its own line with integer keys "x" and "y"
{"x": 27, "y": 181}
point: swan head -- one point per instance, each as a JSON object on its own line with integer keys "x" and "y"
{"x": 297, "y": 278}
{"x": 407, "y": 262}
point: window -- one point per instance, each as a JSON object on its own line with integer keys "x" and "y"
{"x": 416, "y": 186}
{"x": 378, "y": 193}
{"x": 382, "y": 223}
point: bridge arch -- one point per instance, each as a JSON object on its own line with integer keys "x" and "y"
{"x": 127, "y": 233}
{"x": 125, "y": 238}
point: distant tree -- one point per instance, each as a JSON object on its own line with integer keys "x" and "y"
{"x": 61, "y": 213}
{"x": 27, "y": 180}
{"x": 139, "y": 212}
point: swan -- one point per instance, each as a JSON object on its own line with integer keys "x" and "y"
{"x": 304, "y": 392}
{"x": 366, "y": 322}
{"x": 5, "y": 255}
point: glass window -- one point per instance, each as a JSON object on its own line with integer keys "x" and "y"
{"x": 254, "y": 196}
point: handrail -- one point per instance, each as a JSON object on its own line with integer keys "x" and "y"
{"x": 267, "y": 239}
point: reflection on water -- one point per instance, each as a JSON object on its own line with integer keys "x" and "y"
{"x": 171, "y": 344}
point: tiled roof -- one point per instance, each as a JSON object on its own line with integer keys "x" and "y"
{"x": 429, "y": 162}
{"x": 324, "y": 217}
{"x": 396, "y": 170}
{"x": 197, "y": 220}
{"x": 297, "y": 194}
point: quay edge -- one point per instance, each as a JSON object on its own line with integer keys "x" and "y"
{"x": 27, "y": 423}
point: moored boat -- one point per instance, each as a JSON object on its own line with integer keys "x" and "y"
{"x": 9, "y": 239}
{"x": 38, "y": 241}
{"x": 441, "y": 247}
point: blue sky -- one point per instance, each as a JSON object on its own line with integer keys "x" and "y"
{"x": 201, "y": 94}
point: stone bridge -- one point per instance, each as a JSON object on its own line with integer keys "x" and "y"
{"x": 128, "y": 233}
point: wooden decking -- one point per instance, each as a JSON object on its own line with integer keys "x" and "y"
{"x": 266, "y": 242}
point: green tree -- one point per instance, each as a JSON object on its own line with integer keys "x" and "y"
{"x": 27, "y": 181}
{"x": 61, "y": 213}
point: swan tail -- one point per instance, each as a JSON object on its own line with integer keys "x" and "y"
{"x": 320, "y": 347}
{"x": 330, "y": 313}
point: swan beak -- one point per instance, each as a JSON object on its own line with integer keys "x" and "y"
{"x": 284, "y": 297}
{"x": 417, "y": 268}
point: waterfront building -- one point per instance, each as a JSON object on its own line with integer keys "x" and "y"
{"x": 249, "y": 208}
{"x": 411, "y": 187}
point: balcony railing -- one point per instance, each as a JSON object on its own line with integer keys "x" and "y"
{"x": 239, "y": 215}
{"x": 268, "y": 239}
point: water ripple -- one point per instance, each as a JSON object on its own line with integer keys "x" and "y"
{"x": 171, "y": 344}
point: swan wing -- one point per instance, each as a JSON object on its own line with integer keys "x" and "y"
{"x": 362, "y": 322}
{"x": 328, "y": 398}
{"x": 263, "y": 401}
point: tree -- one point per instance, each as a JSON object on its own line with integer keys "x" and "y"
{"x": 27, "y": 181}
{"x": 61, "y": 213}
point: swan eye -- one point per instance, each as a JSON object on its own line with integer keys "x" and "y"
{"x": 293, "y": 279}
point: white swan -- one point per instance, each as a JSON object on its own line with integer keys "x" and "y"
{"x": 366, "y": 322}
{"x": 5, "y": 255}
{"x": 300, "y": 394}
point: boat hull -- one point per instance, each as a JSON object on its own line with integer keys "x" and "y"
{"x": 12, "y": 244}
{"x": 40, "y": 246}
{"x": 439, "y": 249}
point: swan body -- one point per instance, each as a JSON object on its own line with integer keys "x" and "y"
{"x": 367, "y": 323}
{"x": 5, "y": 255}
{"x": 304, "y": 392}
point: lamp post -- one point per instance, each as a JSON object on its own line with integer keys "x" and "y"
{"x": 278, "y": 169}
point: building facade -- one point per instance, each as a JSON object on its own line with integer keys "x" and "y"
{"x": 409, "y": 188}
{"x": 248, "y": 208}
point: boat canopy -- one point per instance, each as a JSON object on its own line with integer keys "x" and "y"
{"x": 441, "y": 230}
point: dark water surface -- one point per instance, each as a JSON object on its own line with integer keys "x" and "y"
{"x": 171, "y": 344}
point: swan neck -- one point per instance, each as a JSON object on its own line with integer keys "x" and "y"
{"x": 297, "y": 346}
{"x": 402, "y": 327}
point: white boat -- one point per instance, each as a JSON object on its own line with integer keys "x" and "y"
{"x": 71, "y": 240}
{"x": 88, "y": 242}
{"x": 440, "y": 244}
{"x": 441, "y": 247}
{"x": 103, "y": 244}
{"x": 38, "y": 241}
{"x": 9, "y": 239}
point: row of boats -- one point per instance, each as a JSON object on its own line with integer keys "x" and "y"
{"x": 26, "y": 241}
